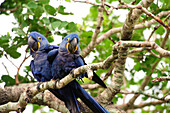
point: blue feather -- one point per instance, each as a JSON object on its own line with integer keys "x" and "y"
{"x": 67, "y": 59}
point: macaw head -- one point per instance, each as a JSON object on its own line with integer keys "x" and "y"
{"x": 70, "y": 44}
{"x": 36, "y": 41}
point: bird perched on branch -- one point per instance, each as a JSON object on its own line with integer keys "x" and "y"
{"x": 65, "y": 59}
{"x": 40, "y": 66}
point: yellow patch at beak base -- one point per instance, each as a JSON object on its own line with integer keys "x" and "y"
{"x": 76, "y": 48}
{"x": 38, "y": 47}
{"x": 67, "y": 47}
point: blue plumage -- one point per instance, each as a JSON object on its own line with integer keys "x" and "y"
{"x": 68, "y": 58}
{"x": 40, "y": 66}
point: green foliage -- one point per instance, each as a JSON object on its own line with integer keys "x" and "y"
{"x": 41, "y": 16}
{"x": 9, "y": 81}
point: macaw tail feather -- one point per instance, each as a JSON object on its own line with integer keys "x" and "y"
{"x": 89, "y": 101}
{"x": 97, "y": 79}
{"x": 57, "y": 94}
{"x": 72, "y": 104}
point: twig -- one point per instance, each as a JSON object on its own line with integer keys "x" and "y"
{"x": 141, "y": 92}
{"x": 121, "y": 2}
{"x": 141, "y": 105}
{"x": 10, "y": 61}
{"x": 161, "y": 79}
{"x": 97, "y": 30}
{"x": 58, "y": 9}
{"x": 133, "y": 2}
{"x": 133, "y": 51}
{"x": 156, "y": 27}
{"x": 125, "y": 6}
{"x": 11, "y": 10}
{"x": 86, "y": 1}
{"x": 163, "y": 52}
{"x": 16, "y": 78}
{"x": 163, "y": 98}
{"x": 116, "y": 30}
{"x": 5, "y": 68}
{"x": 154, "y": 17}
{"x": 158, "y": 56}
{"x": 110, "y": 38}
{"x": 165, "y": 38}
{"x": 94, "y": 86}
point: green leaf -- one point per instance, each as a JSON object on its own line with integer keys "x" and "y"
{"x": 55, "y": 24}
{"x": 12, "y": 51}
{"x": 137, "y": 66}
{"x": 18, "y": 31}
{"x": 72, "y": 27}
{"x": 38, "y": 11}
{"x": 68, "y": 0}
{"x": 61, "y": 11}
{"x": 24, "y": 24}
{"x": 50, "y": 39}
{"x": 50, "y": 10}
{"x": 8, "y": 80}
{"x": 3, "y": 40}
{"x": 63, "y": 24}
{"x": 44, "y": 1}
{"x": 160, "y": 30}
{"x": 32, "y": 5}
{"x": 45, "y": 20}
{"x": 35, "y": 107}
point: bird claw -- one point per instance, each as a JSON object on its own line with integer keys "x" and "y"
{"x": 38, "y": 86}
{"x": 72, "y": 73}
{"x": 57, "y": 80}
{"x": 29, "y": 95}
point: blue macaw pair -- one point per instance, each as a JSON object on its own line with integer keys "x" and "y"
{"x": 56, "y": 62}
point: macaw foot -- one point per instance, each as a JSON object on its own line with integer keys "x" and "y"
{"x": 72, "y": 73}
{"x": 56, "y": 81}
{"x": 38, "y": 86}
{"x": 29, "y": 95}
{"x": 81, "y": 80}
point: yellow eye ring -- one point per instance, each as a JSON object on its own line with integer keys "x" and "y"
{"x": 67, "y": 39}
{"x": 39, "y": 38}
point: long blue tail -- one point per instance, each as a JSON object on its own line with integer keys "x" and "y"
{"x": 88, "y": 100}
{"x": 67, "y": 95}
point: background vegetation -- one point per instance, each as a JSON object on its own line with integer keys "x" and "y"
{"x": 41, "y": 16}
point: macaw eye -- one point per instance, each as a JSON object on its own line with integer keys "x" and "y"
{"x": 39, "y": 38}
{"x": 67, "y": 39}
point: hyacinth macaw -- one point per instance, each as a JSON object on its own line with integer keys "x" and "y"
{"x": 40, "y": 66}
{"x": 68, "y": 58}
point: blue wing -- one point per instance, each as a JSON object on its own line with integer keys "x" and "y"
{"x": 80, "y": 62}
{"x": 51, "y": 55}
{"x": 32, "y": 66}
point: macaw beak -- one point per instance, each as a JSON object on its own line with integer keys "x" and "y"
{"x": 72, "y": 46}
{"x": 33, "y": 44}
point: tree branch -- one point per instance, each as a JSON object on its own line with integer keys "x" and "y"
{"x": 126, "y": 33}
{"x": 163, "y": 52}
{"x": 30, "y": 92}
{"x": 143, "y": 93}
{"x": 86, "y": 1}
{"x": 156, "y": 27}
{"x": 11, "y": 10}
{"x": 161, "y": 79}
{"x": 97, "y": 31}
{"x": 141, "y": 105}
{"x": 116, "y": 30}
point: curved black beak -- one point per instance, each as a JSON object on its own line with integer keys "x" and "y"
{"x": 33, "y": 44}
{"x": 73, "y": 45}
